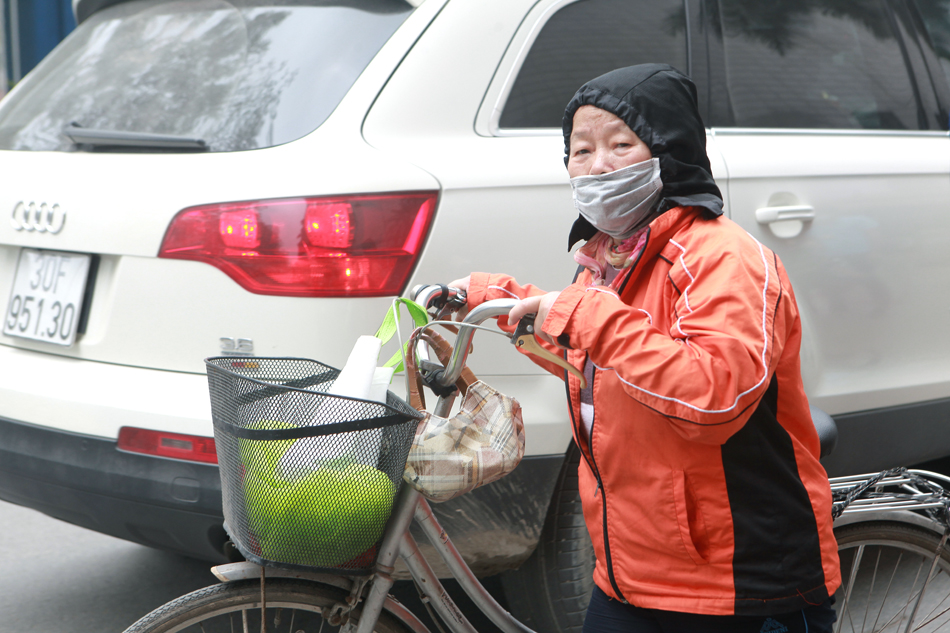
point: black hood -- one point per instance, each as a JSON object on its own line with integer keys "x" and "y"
{"x": 659, "y": 104}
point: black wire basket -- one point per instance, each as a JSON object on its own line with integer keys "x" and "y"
{"x": 308, "y": 479}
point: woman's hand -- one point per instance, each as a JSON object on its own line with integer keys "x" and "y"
{"x": 539, "y": 305}
{"x": 461, "y": 284}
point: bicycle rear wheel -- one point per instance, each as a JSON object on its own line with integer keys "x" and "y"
{"x": 884, "y": 567}
{"x": 292, "y": 606}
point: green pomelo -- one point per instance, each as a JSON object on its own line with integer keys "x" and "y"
{"x": 261, "y": 457}
{"x": 260, "y": 498}
{"x": 262, "y": 480}
{"x": 323, "y": 519}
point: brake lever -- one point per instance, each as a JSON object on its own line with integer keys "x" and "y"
{"x": 524, "y": 338}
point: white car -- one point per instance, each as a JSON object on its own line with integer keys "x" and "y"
{"x": 172, "y": 168}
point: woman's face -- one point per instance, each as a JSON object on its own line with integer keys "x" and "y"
{"x": 601, "y": 143}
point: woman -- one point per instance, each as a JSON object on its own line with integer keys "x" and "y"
{"x": 706, "y": 504}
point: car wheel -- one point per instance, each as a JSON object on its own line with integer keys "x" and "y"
{"x": 551, "y": 590}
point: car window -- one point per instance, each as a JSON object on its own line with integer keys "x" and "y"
{"x": 935, "y": 15}
{"x": 818, "y": 64}
{"x": 238, "y": 75}
{"x": 586, "y": 39}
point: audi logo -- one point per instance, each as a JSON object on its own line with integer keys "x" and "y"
{"x": 42, "y": 218}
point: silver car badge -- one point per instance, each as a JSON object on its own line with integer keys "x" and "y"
{"x": 42, "y": 218}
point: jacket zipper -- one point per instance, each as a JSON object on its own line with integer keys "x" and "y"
{"x": 600, "y": 486}
{"x": 590, "y": 444}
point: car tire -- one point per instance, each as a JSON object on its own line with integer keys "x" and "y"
{"x": 551, "y": 590}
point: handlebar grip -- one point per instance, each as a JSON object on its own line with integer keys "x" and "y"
{"x": 439, "y": 296}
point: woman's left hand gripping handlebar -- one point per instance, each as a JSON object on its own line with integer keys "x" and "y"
{"x": 463, "y": 285}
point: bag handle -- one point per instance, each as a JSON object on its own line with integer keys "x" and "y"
{"x": 443, "y": 351}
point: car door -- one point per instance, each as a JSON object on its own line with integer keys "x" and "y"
{"x": 838, "y": 161}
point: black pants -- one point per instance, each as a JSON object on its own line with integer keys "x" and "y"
{"x": 606, "y": 615}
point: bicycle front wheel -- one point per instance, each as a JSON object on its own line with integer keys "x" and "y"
{"x": 292, "y": 606}
{"x": 889, "y": 577}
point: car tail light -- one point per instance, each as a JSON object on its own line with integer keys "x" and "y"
{"x": 329, "y": 224}
{"x": 238, "y": 228}
{"x": 194, "y": 448}
{"x": 341, "y": 246}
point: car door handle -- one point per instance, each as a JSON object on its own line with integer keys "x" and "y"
{"x": 767, "y": 215}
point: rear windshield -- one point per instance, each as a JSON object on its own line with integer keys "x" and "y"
{"x": 233, "y": 75}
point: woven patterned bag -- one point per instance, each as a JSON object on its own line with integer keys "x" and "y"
{"x": 482, "y": 443}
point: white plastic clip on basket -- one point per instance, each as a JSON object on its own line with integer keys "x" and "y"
{"x": 359, "y": 378}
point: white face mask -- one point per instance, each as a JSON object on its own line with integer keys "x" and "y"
{"x": 617, "y": 202}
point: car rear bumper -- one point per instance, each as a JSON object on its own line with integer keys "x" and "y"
{"x": 164, "y": 503}
{"x": 176, "y": 505}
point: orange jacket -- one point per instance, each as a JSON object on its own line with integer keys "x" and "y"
{"x": 700, "y": 484}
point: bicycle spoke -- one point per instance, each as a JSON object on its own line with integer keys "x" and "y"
{"x": 923, "y": 590}
{"x": 900, "y": 613}
{"x": 850, "y": 621}
{"x": 887, "y": 591}
{"x": 856, "y": 563}
{"x": 917, "y": 597}
{"x": 877, "y": 562}
{"x": 930, "y": 617}
{"x": 936, "y": 617}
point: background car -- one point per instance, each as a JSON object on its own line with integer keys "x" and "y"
{"x": 168, "y": 168}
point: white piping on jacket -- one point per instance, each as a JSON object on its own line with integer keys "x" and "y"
{"x": 601, "y": 289}
{"x": 765, "y": 344}
{"x": 692, "y": 280}
{"x": 507, "y": 292}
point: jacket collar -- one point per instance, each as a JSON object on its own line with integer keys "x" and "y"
{"x": 667, "y": 225}
{"x": 661, "y": 231}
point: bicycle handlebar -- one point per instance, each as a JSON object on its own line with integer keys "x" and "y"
{"x": 440, "y": 296}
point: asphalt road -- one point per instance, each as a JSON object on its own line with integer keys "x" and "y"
{"x": 55, "y": 577}
{"x": 59, "y": 578}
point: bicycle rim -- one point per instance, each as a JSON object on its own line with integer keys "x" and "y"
{"x": 890, "y": 576}
{"x": 293, "y": 606}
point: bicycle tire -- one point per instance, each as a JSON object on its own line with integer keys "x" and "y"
{"x": 292, "y": 605}
{"x": 893, "y": 560}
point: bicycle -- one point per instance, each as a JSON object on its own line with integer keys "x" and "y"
{"x": 895, "y": 523}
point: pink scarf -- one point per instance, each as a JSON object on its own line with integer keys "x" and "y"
{"x": 603, "y": 250}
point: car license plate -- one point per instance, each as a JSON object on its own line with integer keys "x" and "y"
{"x": 47, "y": 296}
